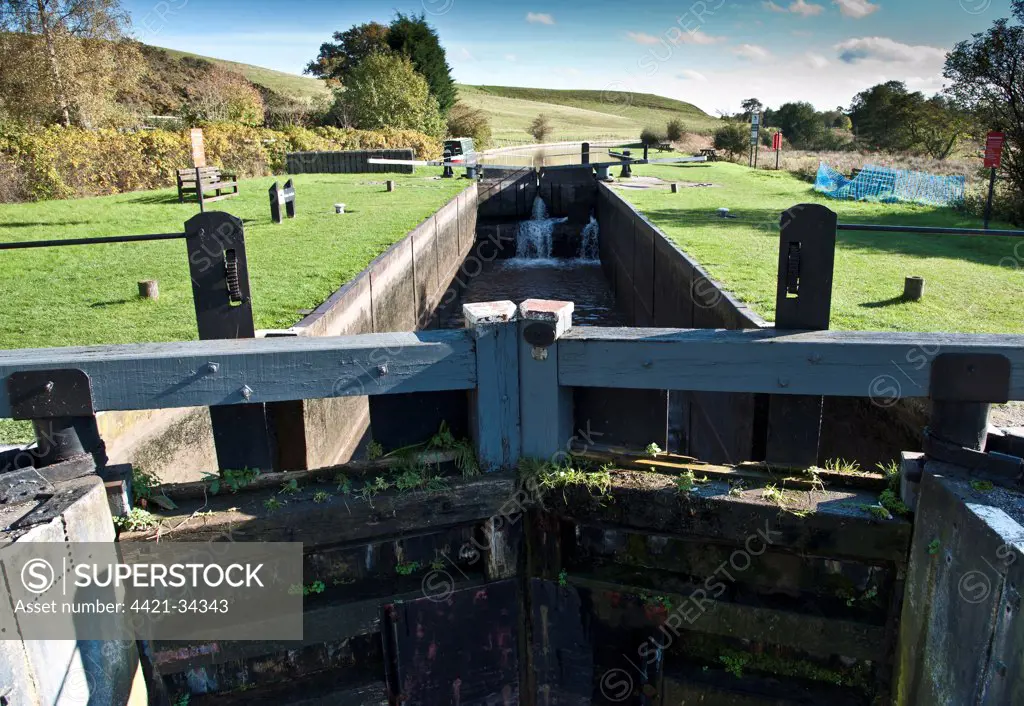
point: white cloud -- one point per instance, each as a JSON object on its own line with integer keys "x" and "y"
{"x": 857, "y": 9}
{"x": 465, "y": 55}
{"x": 511, "y": 57}
{"x": 806, "y": 9}
{"x": 853, "y": 51}
{"x": 817, "y": 60}
{"x": 752, "y": 52}
{"x": 694, "y": 37}
{"x": 691, "y": 75}
{"x": 540, "y": 18}
{"x": 643, "y": 38}
{"x": 797, "y": 7}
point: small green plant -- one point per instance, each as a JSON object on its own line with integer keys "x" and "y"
{"x": 773, "y": 495}
{"x": 230, "y": 479}
{"x": 933, "y": 547}
{"x": 437, "y": 564}
{"x": 563, "y": 578}
{"x": 183, "y": 699}
{"x": 736, "y": 488}
{"x": 310, "y": 589}
{"x": 144, "y": 484}
{"x": 374, "y": 450}
{"x": 321, "y": 496}
{"x": 653, "y": 450}
{"x": 982, "y": 486}
{"x": 343, "y": 483}
{"x": 272, "y": 504}
{"x": 879, "y": 512}
{"x": 465, "y": 454}
{"x": 891, "y": 502}
{"x": 290, "y": 488}
{"x": 407, "y": 568}
{"x": 137, "y": 519}
{"x": 734, "y": 663}
{"x": 839, "y": 465}
{"x": 687, "y": 481}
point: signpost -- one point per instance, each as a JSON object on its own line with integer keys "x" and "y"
{"x": 777, "y": 146}
{"x": 755, "y": 132}
{"x": 993, "y": 160}
{"x": 198, "y": 147}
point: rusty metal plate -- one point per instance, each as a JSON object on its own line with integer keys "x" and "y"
{"x": 970, "y": 377}
{"x": 47, "y": 394}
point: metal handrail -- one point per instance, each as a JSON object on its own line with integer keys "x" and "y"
{"x": 91, "y": 241}
{"x": 930, "y": 230}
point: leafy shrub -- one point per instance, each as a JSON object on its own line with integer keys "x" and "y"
{"x": 385, "y": 91}
{"x": 650, "y": 136}
{"x": 60, "y": 163}
{"x": 674, "y": 130}
{"x": 733, "y": 138}
{"x": 466, "y": 121}
{"x": 540, "y": 128}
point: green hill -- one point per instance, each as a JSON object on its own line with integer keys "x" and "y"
{"x": 284, "y": 84}
{"x": 576, "y": 114}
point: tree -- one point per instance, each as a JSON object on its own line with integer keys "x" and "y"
{"x": 801, "y": 124}
{"x": 385, "y": 90}
{"x": 76, "y": 46}
{"x": 223, "y": 96}
{"x": 751, "y": 106}
{"x": 674, "y": 131}
{"x": 466, "y": 121}
{"x": 987, "y": 77}
{"x": 338, "y": 58}
{"x": 412, "y": 37}
{"x": 733, "y": 138}
{"x": 540, "y": 128}
{"x": 649, "y": 136}
{"x": 882, "y": 115}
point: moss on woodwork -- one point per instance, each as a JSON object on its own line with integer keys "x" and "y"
{"x": 546, "y": 476}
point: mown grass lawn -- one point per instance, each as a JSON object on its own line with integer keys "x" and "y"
{"x": 81, "y": 295}
{"x": 973, "y": 284}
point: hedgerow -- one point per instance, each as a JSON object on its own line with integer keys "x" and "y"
{"x": 61, "y": 163}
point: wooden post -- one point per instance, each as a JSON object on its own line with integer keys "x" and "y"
{"x": 220, "y": 290}
{"x": 585, "y": 153}
{"x": 275, "y": 203}
{"x": 545, "y": 407}
{"x": 494, "y": 405}
{"x": 289, "y": 199}
{"x": 913, "y": 289}
{"x": 149, "y": 289}
{"x": 199, "y": 190}
{"x": 675, "y": 188}
{"x": 391, "y": 185}
{"x": 803, "y": 301}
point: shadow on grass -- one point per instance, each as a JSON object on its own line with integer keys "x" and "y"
{"x": 112, "y": 302}
{"x": 983, "y": 250}
{"x": 37, "y": 224}
{"x": 161, "y": 200}
{"x": 884, "y": 303}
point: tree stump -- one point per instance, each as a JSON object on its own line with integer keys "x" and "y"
{"x": 149, "y": 289}
{"x": 913, "y": 289}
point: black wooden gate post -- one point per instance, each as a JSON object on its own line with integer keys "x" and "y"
{"x": 220, "y": 289}
{"x": 803, "y": 301}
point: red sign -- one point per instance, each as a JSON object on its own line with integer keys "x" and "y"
{"x": 777, "y": 141}
{"x": 994, "y": 150}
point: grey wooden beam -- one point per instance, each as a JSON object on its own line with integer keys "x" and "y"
{"x": 882, "y": 366}
{"x": 494, "y": 409}
{"x": 545, "y": 406}
{"x": 204, "y": 373}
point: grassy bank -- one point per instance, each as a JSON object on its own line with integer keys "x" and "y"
{"x": 974, "y": 284}
{"x": 88, "y": 294}
{"x": 577, "y": 114}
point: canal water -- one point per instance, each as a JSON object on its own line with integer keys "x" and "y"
{"x": 534, "y": 274}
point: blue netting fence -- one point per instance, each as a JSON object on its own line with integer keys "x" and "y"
{"x": 891, "y": 186}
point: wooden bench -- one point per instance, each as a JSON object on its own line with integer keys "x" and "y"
{"x": 711, "y": 154}
{"x": 664, "y": 147}
{"x": 207, "y": 183}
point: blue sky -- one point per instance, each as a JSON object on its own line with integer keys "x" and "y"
{"x": 710, "y": 52}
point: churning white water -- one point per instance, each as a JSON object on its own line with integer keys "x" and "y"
{"x": 589, "y": 242}
{"x": 534, "y": 237}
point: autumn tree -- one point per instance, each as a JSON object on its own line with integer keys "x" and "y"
{"x": 223, "y": 96}
{"x": 540, "y": 128}
{"x": 467, "y": 121}
{"x": 77, "y": 49}
{"x": 349, "y": 48}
